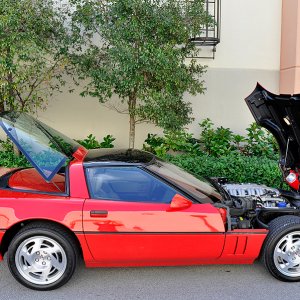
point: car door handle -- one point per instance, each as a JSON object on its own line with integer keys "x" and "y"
{"x": 98, "y": 213}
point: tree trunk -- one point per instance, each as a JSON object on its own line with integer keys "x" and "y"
{"x": 132, "y": 123}
{"x": 16, "y": 151}
{"x": 10, "y": 81}
{"x": 11, "y": 95}
{"x": 131, "y": 132}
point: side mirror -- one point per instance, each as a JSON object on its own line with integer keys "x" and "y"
{"x": 179, "y": 202}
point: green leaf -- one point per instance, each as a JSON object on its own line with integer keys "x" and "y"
{"x": 33, "y": 45}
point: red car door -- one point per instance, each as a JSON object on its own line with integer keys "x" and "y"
{"x": 132, "y": 228}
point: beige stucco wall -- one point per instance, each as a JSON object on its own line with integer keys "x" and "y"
{"x": 249, "y": 52}
{"x": 224, "y": 99}
{"x": 250, "y": 35}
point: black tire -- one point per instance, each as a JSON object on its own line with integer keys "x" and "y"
{"x": 57, "y": 256}
{"x": 278, "y": 255}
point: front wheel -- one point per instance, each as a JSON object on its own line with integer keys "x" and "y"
{"x": 42, "y": 257}
{"x": 281, "y": 251}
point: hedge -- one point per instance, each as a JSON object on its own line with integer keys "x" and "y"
{"x": 236, "y": 167}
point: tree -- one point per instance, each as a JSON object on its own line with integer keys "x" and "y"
{"x": 33, "y": 44}
{"x": 141, "y": 56}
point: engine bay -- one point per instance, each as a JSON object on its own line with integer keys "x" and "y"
{"x": 261, "y": 195}
{"x": 253, "y": 205}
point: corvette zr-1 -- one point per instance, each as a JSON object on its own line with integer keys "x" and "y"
{"x": 115, "y": 208}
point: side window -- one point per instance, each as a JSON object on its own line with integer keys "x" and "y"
{"x": 127, "y": 184}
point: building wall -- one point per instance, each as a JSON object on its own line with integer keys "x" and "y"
{"x": 249, "y": 52}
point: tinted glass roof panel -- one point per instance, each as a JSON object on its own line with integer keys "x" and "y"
{"x": 131, "y": 156}
{"x": 45, "y": 148}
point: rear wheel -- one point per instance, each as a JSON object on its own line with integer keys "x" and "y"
{"x": 281, "y": 252}
{"x": 42, "y": 256}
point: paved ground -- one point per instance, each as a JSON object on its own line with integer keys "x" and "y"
{"x": 201, "y": 282}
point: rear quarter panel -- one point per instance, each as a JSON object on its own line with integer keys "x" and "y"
{"x": 19, "y": 206}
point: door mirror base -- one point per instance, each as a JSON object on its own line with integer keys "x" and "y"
{"x": 179, "y": 203}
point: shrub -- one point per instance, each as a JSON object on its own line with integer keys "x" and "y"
{"x": 221, "y": 141}
{"x": 6, "y": 146}
{"x": 107, "y": 142}
{"x": 8, "y": 158}
{"x": 216, "y": 142}
{"x": 179, "y": 141}
{"x": 260, "y": 142}
{"x": 236, "y": 167}
{"x": 155, "y": 144}
{"x": 90, "y": 142}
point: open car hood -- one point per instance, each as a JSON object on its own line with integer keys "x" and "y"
{"x": 280, "y": 114}
{"x": 45, "y": 148}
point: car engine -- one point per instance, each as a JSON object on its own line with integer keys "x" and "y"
{"x": 262, "y": 195}
{"x": 252, "y": 205}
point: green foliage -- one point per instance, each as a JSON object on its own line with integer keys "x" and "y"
{"x": 155, "y": 144}
{"x": 221, "y": 141}
{"x": 235, "y": 166}
{"x": 107, "y": 142}
{"x": 238, "y": 140}
{"x": 7, "y": 145}
{"x": 218, "y": 141}
{"x": 90, "y": 142}
{"x": 33, "y": 44}
{"x": 153, "y": 141}
{"x": 141, "y": 57}
{"x": 172, "y": 141}
{"x": 8, "y": 158}
{"x": 220, "y": 153}
{"x": 181, "y": 141}
{"x": 260, "y": 142}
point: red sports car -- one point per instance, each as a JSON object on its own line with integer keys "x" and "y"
{"x": 115, "y": 208}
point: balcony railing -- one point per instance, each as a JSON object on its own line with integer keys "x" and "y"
{"x": 210, "y": 34}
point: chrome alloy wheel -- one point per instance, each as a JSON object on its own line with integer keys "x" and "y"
{"x": 287, "y": 254}
{"x": 40, "y": 260}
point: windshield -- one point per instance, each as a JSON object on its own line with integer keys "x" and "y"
{"x": 200, "y": 188}
{"x": 45, "y": 148}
